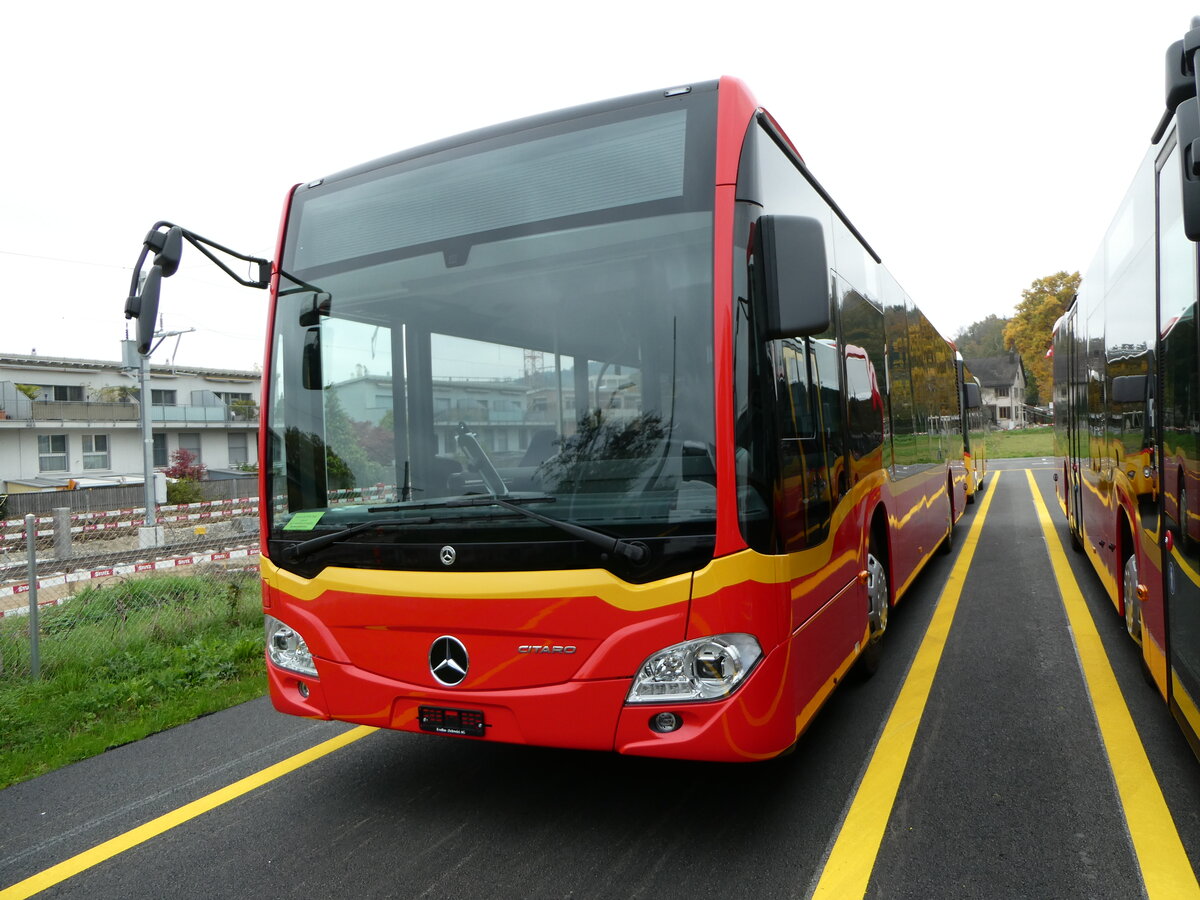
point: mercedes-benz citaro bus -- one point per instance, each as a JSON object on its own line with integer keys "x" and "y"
{"x": 601, "y": 429}
{"x": 1127, "y": 402}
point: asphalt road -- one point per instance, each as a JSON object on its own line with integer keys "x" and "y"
{"x": 1007, "y": 793}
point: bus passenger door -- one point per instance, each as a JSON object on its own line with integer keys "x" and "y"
{"x": 1178, "y": 408}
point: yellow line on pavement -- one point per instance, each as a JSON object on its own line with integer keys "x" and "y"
{"x": 1166, "y": 871}
{"x": 155, "y": 827}
{"x": 848, "y": 869}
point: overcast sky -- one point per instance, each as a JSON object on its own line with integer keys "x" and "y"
{"x": 976, "y": 146}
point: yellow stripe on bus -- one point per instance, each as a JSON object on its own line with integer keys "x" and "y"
{"x": 1166, "y": 871}
{"x": 848, "y": 869}
{"x": 130, "y": 839}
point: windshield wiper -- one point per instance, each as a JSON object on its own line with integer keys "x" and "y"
{"x": 324, "y": 540}
{"x": 634, "y": 551}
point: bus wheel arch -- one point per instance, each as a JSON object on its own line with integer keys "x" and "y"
{"x": 947, "y": 545}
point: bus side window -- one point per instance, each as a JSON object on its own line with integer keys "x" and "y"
{"x": 804, "y": 498}
{"x": 827, "y": 376}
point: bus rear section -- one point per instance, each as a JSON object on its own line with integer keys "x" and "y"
{"x": 596, "y": 430}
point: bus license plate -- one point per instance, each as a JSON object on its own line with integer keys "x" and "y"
{"x": 440, "y": 720}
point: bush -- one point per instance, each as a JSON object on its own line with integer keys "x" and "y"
{"x": 187, "y": 474}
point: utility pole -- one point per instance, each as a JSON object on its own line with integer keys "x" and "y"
{"x": 150, "y": 534}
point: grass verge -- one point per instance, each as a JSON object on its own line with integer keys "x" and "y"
{"x": 1020, "y": 443}
{"x": 122, "y": 662}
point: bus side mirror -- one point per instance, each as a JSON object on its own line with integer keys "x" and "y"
{"x": 1188, "y": 118}
{"x": 144, "y": 307}
{"x": 310, "y": 364}
{"x": 974, "y": 399}
{"x": 790, "y": 251}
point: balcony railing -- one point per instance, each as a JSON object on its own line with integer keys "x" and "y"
{"x": 98, "y": 411}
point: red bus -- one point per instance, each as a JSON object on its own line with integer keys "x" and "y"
{"x": 602, "y": 429}
{"x": 1127, "y": 407}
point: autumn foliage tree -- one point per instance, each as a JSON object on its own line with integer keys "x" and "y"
{"x": 982, "y": 339}
{"x": 1030, "y": 330}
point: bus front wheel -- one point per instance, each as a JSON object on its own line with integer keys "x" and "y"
{"x": 877, "y": 611}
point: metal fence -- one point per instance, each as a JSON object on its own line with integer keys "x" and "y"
{"x": 17, "y": 506}
{"x": 87, "y": 584}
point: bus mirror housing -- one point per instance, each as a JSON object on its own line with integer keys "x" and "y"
{"x": 1129, "y": 389}
{"x": 974, "y": 400}
{"x": 1181, "y": 81}
{"x": 310, "y": 364}
{"x": 795, "y": 275}
{"x": 147, "y": 308}
{"x": 1188, "y": 118}
{"x": 168, "y": 247}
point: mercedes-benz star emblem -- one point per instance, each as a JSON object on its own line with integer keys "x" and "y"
{"x": 448, "y": 660}
{"x": 447, "y": 555}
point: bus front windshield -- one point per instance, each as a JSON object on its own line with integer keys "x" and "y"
{"x": 527, "y": 318}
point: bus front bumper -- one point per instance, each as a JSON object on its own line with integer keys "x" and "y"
{"x": 578, "y": 714}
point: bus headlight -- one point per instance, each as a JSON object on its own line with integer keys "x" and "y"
{"x": 704, "y": 669}
{"x": 286, "y": 649}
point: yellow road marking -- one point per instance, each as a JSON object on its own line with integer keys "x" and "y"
{"x": 848, "y": 869}
{"x": 110, "y": 848}
{"x": 1166, "y": 872}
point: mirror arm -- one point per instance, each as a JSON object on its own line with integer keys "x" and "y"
{"x": 157, "y": 239}
{"x": 264, "y": 266}
{"x": 142, "y": 301}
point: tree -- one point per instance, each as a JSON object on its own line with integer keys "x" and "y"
{"x": 1031, "y": 329}
{"x": 244, "y": 410}
{"x": 982, "y": 339}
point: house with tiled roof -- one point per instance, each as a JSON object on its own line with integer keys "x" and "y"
{"x": 1002, "y": 386}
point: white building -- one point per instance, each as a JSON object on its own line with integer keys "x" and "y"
{"x": 79, "y": 420}
{"x": 1002, "y": 386}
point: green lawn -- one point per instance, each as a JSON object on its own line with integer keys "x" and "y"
{"x": 122, "y": 662}
{"x": 1020, "y": 443}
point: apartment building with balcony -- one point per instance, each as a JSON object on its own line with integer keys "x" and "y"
{"x": 74, "y": 422}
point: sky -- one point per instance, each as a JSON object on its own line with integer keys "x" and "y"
{"x": 977, "y": 147}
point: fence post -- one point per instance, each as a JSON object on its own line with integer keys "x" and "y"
{"x": 62, "y": 532}
{"x": 35, "y": 662}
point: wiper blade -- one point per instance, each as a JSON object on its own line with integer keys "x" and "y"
{"x": 634, "y": 551}
{"x": 304, "y": 548}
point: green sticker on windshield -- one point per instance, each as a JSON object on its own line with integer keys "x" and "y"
{"x": 304, "y": 521}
